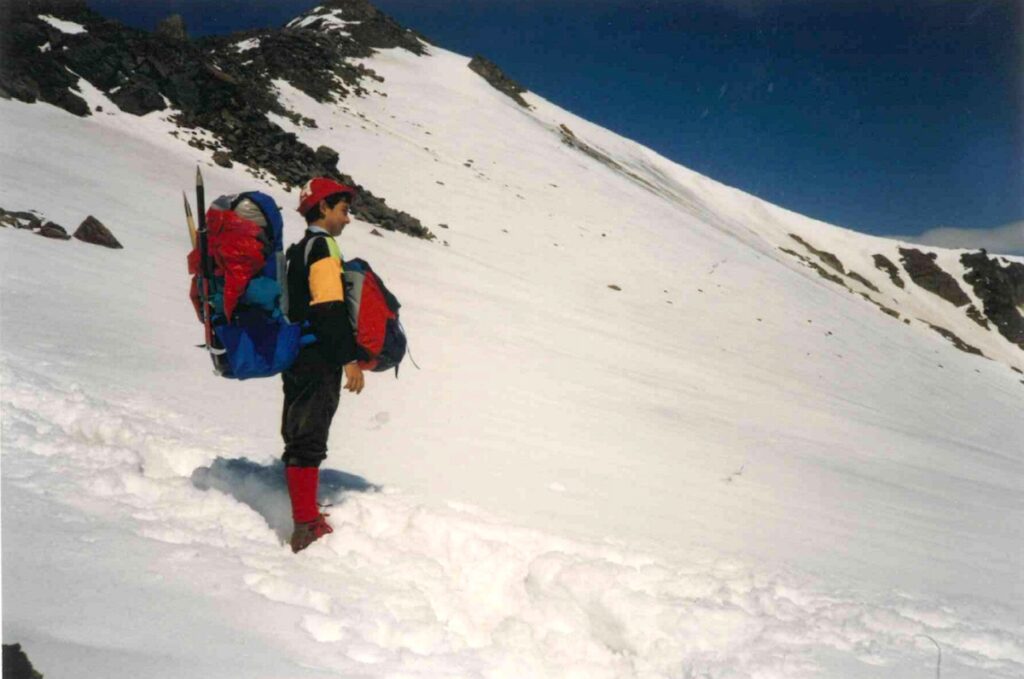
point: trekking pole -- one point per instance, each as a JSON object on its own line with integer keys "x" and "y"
{"x": 190, "y": 220}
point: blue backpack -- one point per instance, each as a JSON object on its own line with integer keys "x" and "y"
{"x": 246, "y": 287}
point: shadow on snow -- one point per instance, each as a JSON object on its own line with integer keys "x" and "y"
{"x": 263, "y": 488}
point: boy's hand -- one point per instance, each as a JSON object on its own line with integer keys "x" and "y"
{"x": 353, "y": 377}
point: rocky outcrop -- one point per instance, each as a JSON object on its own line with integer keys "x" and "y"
{"x": 863, "y": 281}
{"x": 817, "y": 267}
{"x": 885, "y": 264}
{"x": 16, "y": 664}
{"x": 834, "y": 262}
{"x": 92, "y": 230}
{"x": 363, "y": 23}
{"x": 490, "y": 72}
{"x": 977, "y": 316}
{"x": 952, "y": 337}
{"x": 20, "y": 220}
{"x": 1001, "y": 291}
{"x": 172, "y": 28}
{"x": 923, "y": 270}
{"x": 827, "y": 257}
{"x": 216, "y": 85}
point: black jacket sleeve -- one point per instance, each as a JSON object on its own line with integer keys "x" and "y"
{"x": 328, "y": 311}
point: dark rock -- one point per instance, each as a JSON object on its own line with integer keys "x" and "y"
{"x": 1001, "y": 291}
{"x": 615, "y": 287}
{"x": 957, "y": 342}
{"x": 26, "y": 73}
{"x": 93, "y": 231}
{"x": 827, "y": 257}
{"x": 222, "y": 158}
{"x": 374, "y": 30}
{"x": 16, "y": 664}
{"x": 863, "y": 281}
{"x": 490, "y": 72}
{"x": 218, "y": 89}
{"x": 172, "y": 28}
{"x": 139, "y": 96}
{"x": 977, "y": 316}
{"x": 927, "y": 274}
{"x": 570, "y": 139}
{"x": 327, "y": 158}
{"x": 53, "y": 230}
{"x": 20, "y": 220}
{"x": 817, "y": 267}
{"x": 881, "y": 307}
{"x": 883, "y": 263}
{"x": 375, "y": 232}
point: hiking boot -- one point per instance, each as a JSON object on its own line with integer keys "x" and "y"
{"x": 308, "y": 532}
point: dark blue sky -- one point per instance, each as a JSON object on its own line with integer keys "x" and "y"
{"x": 888, "y": 117}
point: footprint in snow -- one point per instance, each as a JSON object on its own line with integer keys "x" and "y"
{"x": 379, "y": 420}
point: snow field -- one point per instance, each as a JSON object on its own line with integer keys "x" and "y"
{"x": 406, "y": 589}
{"x": 765, "y": 478}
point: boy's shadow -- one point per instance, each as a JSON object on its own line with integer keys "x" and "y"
{"x": 263, "y": 488}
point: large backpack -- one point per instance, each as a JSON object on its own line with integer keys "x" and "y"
{"x": 251, "y": 336}
{"x": 373, "y": 311}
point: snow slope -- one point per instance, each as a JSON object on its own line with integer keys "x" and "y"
{"x": 728, "y": 468}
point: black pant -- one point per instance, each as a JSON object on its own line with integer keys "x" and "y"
{"x": 312, "y": 388}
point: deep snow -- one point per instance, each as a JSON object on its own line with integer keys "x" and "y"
{"x": 728, "y": 468}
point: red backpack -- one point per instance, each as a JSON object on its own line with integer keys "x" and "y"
{"x": 373, "y": 310}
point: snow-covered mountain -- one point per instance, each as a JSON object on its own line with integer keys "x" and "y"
{"x": 660, "y": 428}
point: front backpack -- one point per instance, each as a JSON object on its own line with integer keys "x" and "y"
{"x": 373, "y": 311}
{"x": 247, "y": 295}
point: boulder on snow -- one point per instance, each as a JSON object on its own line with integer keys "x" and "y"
{"x": 327, "y": 158}
{"x": 53, "y": 230}
{"x": 222, "y": 158}
{"x": 93, "y": 231}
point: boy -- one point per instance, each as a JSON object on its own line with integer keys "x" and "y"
{"x": 312, "y": 386}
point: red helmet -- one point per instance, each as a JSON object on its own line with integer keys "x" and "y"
{"x": 318, "y": 188}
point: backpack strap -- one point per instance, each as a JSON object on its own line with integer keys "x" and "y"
{"x": 332, "y": 247}
{"x": 309, "y": 248}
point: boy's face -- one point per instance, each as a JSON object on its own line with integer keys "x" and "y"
{"x": 335, "y": 218}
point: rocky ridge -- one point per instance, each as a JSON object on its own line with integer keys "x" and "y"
{"x": 220, "y": 84}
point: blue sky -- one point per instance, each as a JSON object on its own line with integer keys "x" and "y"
{"x": 892, "y": 118}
